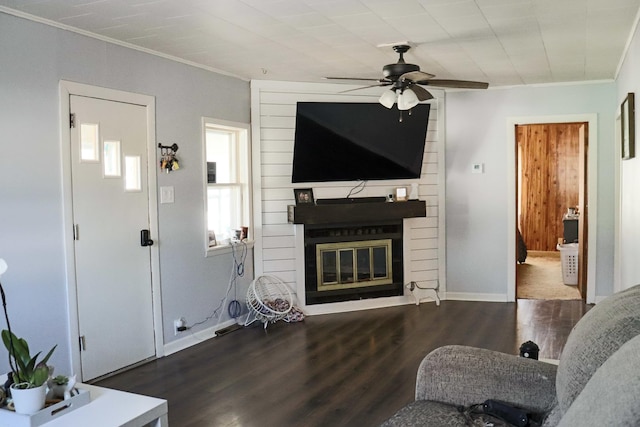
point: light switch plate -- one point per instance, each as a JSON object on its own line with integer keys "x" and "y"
{"x": 166, "y": 194}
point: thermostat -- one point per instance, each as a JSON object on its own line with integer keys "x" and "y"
{"x": 477, "y": 168}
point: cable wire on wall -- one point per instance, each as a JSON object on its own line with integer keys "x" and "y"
{"x": 234, "y": 308}
{"x": 357, "y": 189}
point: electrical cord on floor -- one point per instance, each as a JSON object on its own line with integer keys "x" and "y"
{"x": 413, "y": 285}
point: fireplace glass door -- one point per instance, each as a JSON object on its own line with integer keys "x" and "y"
{"x": 354, "y": 264}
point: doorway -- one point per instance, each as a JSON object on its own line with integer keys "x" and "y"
{"x": 550, "y": 163}
{"x": 113, "y": 288}
{"x": 590, "y": 194}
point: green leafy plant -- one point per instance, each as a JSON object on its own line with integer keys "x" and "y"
{"x": 24, "y": 368}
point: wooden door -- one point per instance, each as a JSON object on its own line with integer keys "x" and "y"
{"x": 584, "y": 211}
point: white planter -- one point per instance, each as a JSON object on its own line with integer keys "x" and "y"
{"x": 28, "y": 400}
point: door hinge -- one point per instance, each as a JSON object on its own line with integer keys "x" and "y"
{"x": 82, "y": 343}
{"x": 76, "y": 232}
{"x": 72, "y": 120}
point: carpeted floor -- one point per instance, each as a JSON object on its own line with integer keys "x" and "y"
{"x": 540, "y": 277}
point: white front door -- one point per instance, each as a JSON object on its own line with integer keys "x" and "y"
{"x": 110, "y": 209}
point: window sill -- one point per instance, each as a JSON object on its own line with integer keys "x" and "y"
{"x": 228, "y": 248}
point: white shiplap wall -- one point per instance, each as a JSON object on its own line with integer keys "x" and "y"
{"x": 278, "y": 244}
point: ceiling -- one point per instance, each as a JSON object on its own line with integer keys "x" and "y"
{"x": 503, "y": 42}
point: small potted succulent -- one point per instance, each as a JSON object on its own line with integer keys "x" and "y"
{"x": 60, "y": 386}
{"x": 60, "y": 380}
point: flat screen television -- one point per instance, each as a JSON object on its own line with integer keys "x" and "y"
{"x": 340, "y": 141}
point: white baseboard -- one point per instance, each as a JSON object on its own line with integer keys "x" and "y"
{"x": 192, "y": 338}
{"x": 601, "y": 298}
{"x": 469, "y": 296}
{"x": 363, "y": 304}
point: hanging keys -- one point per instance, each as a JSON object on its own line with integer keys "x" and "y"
{"x": 168, "y": 160}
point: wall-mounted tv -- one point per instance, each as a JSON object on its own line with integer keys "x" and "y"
{"x": 340, "y": 141}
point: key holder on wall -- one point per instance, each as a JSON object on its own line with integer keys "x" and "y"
{"x": 168, "y": 159}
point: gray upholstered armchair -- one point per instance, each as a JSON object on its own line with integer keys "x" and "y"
{"x": 596, "y": 383}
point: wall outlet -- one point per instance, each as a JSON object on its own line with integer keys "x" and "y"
{"x": 179, "y": 325}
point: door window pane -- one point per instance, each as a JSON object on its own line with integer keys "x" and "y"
{"x": 89, "y": 143}
{"x": 132, "y": 175}
{"x": 112, "y": 158}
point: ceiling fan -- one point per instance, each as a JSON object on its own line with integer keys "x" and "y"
{"x": 406, "y": 81}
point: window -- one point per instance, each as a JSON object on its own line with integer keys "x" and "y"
{"x": 226, "y": 178}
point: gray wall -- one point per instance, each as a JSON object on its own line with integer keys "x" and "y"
{"x": 476, "y": 219}
{"x": 33, "y": 59}
{"x": 628, "y": 81}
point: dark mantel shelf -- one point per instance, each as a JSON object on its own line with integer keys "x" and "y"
{"x": 336, "y": 213}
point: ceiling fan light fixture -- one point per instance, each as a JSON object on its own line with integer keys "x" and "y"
{"x": 388, "y": 98}
{"x": 407, "y": 100}
{"x": 406, "y": 80}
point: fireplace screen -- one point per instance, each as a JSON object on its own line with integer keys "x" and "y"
{"x": 353, "y": 264}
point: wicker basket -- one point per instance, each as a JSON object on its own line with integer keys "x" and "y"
{"x": 268, "y": 299}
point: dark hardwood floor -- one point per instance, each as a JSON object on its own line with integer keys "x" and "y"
{"x": 349, "y": 369}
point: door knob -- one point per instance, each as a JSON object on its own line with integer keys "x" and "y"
{"x": 144, "y": 238}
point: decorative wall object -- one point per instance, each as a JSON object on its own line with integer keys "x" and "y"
{"x": 628, "y": 137}
{"x": 401, "y": 194}
{"x": 168, "y": 159}
{"x": 303, "y": 196}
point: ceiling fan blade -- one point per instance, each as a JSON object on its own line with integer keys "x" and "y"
{"x": 353, "y": 78}
{"x": 463, "y": 84}
{"x": 416, "y": 76}
{"x": 421, "y": 93}
{"x": 365, "y": 87}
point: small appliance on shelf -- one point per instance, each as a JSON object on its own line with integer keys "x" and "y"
{"x": 570, "y": 225}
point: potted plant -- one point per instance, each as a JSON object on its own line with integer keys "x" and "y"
{"x": 60, "y": 387}
{"x": 29, "y": 375}
{"x": 60, "y": 380}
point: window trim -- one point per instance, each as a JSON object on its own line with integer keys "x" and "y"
{"x": 244, "y": 161}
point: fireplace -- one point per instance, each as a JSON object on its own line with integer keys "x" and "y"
{"x": 353, "y": 248}
{"x": 352, "y": 262}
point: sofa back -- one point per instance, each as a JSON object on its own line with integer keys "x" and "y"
{"x": 599, "y": 334}
{"x": 611, "y": 396}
